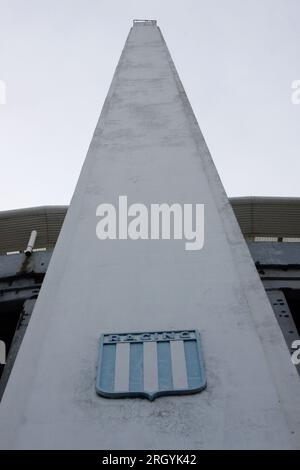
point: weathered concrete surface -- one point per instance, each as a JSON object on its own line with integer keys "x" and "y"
{"x": 148, "y": 146}
{"x": 275, "y": 254}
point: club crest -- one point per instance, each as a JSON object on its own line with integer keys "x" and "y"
{"x": 150, "y": 364}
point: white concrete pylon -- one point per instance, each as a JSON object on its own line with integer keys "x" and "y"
{"x": 147, "y": 145}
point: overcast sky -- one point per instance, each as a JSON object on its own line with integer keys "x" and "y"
{"x": 237, "y": 60}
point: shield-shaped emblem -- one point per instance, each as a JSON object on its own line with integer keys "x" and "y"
{"x": 150, "y": 364}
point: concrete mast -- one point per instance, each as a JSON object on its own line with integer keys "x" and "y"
{"x": 147, "y": 145}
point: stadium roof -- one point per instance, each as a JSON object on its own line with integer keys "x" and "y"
{"x": 269, "y": 217}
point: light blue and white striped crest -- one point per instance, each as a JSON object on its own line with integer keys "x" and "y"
{"x": 150, "y": 364}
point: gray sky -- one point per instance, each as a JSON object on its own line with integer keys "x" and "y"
{"x": 236, "y": 59}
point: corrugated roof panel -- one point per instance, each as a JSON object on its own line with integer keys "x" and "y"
{"x": 257, "y": 217}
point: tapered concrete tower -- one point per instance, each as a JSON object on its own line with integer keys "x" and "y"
{"x": 147, "y": 146}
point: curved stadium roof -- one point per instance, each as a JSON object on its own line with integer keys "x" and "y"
{"x": 277, "y": 217}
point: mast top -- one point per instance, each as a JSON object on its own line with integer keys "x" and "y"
{"x": 144, "y": 22}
